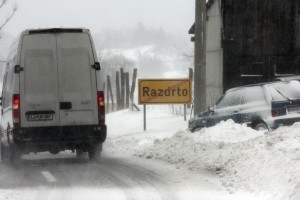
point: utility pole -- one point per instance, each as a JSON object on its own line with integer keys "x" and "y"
{"x": 200, "y": 58}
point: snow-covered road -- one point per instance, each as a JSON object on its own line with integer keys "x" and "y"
{"x": 69, "y": 178}
{"x": 49, "y": 177}
{"x": 45, "y": 177}
{"x": 226, "y": 162}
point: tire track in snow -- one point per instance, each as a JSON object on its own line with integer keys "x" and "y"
{"x": 139, "y": 176}
{"x": 72, "y": 173}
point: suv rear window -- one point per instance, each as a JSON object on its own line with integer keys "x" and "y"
{"x": 284, "y": 91}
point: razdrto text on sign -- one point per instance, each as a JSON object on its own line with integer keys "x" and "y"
{"x": 165, "y": 91}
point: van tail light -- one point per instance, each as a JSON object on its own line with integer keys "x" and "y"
{"x": 274, "y": 113}
{"x": 16, "y": 106}
{"x": 101, "y": 107}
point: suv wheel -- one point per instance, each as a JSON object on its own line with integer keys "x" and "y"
{"x": 261, "y": 127}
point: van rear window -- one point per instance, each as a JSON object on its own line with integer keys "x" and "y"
{"x": 55, "y": 30}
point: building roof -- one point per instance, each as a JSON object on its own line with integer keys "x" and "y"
{"x": 192, "y": 29}
{"x": 209, "y": 3}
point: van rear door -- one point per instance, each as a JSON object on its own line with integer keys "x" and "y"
{"x": 38, "y": 81}
{"x": 77, "y": 79}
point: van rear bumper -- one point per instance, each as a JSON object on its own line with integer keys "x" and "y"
{"x": 63, "y": 137}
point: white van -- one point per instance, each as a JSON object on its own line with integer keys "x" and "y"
{"x": 51, "y": 98}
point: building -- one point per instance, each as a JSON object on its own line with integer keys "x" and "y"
{"x": 250, "y": 41}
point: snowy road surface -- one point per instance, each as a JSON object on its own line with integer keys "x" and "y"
{"x": 70, "y": 178}
{"x": 226, "y": 162}
{"x": 44, "y": 176}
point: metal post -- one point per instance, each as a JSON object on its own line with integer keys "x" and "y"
{"x": 200, "y": 57}
{"x": 184, "y": 110}
{"x": 145, "y": 125}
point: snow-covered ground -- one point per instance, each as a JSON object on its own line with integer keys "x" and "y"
{"x": 264, "y": 164}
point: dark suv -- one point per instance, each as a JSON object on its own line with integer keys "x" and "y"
{"x": 260, "y": 106}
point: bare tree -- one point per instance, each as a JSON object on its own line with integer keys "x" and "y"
{"x": 3, "y": 22}
{"x": 9, "y": 16}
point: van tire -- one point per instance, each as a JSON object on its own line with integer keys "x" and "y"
{"x": 15, "y": 156}
{"x": 80, "y": 154}
{"x": 95, "y": 152}
{"x": 4, "y": 154}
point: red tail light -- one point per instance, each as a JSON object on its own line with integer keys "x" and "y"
{"x": 16, "y": 110}
{"x": 274, "y": 113}
{"x": 101, "y": 107}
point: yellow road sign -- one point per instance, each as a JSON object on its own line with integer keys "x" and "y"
{"x": 165, "y": 91}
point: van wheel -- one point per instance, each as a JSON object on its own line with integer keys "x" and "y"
{"x": 4, "y": 154}
{"x": 15, "y": 156}
{"x": 261, "y": 127}
{"x": 80, "y": 153}
{"x": 95, "y": 152}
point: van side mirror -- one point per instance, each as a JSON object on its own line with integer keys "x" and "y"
{"x": 18, "y": 68}
{"x": 0, "y": 101}
{"x": 96, "y": 66}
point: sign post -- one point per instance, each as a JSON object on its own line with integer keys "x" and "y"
{"x": 164, "y": 91}
{"x": 145, "y": 121}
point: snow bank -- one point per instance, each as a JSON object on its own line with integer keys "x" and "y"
{"x": 242, "y": 157}
{"x": 228, "y": 132}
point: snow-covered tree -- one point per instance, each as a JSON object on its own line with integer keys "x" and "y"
{"x": 8, "y": 16}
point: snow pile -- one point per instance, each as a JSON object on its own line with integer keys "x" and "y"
{"x": 242, "y": 157}
{"x": 257, "y": 162}
{"x": 228, "y": 132}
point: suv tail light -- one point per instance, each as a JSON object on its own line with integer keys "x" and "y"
{"x": 16, "y": 111}
{"x": 101, "y": 107}
{"x": 274, "y": 113}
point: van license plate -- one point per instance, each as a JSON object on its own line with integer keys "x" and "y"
{"x": 39, "y": 117}
{"x": 293, "y": 109}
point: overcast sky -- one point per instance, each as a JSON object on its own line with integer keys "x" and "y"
{"x": 174, "y": 16}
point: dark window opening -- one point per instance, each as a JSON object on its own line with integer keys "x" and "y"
{"x": 281, "y": 69}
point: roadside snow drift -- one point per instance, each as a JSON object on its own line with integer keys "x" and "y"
{"x": 265, "y": 163}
